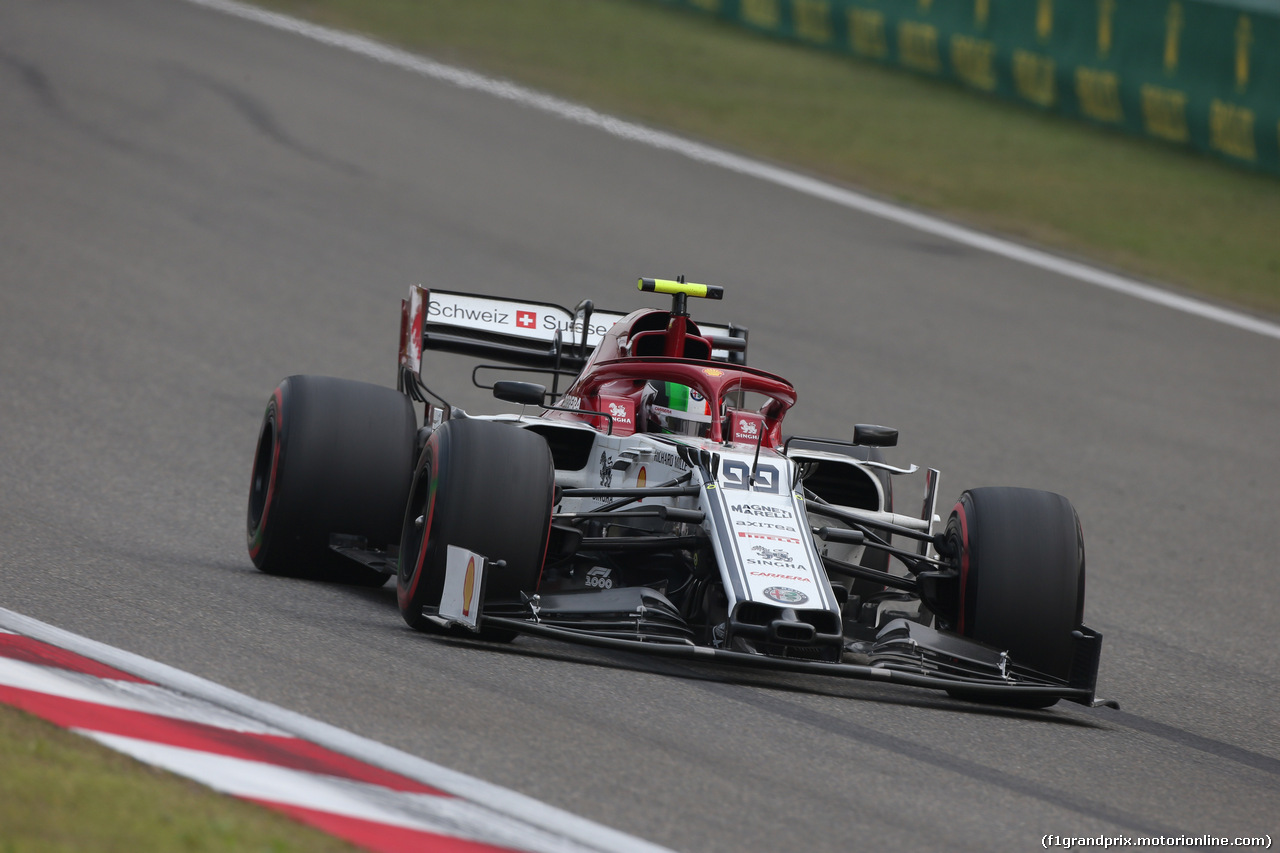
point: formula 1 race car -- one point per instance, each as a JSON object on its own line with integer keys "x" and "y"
{"x": 656, "y": 505}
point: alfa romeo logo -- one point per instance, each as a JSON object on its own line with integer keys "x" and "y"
{"x": 786, "y": 595}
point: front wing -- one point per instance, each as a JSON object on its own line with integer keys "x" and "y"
{"x": 904, "y": 652}
{"x": 1009, "y": 689}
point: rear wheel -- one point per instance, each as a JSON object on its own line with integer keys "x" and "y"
{"x": 1022, "y": 568}
{"x": 334, "y": 457}
{"x": 486, "y": 487}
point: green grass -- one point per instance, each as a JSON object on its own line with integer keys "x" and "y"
{"x": 1151, "y": 209}
{"x": 63, "y": 793}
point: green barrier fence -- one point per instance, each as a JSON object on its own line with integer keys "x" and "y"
{"x": 1197, "y": 73}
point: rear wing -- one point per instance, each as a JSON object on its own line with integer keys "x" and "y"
{"x": 537, "y": 336}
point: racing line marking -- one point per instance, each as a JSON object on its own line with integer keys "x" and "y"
{"x": 386, "y": 800}
{"x": 746, "y": 166}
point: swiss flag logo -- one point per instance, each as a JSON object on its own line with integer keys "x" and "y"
{"x": 526, "y": 319}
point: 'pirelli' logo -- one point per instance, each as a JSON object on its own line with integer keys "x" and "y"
{"x": 769, "y": 537}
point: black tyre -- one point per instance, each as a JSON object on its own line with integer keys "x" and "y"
{"x": 484, "y": 486}
{"x": 1022, "y": 569}
{"x": 334, "y": 457}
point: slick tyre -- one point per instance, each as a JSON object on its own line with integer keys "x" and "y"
{"x": 1022, "y": 571}
{"x": 334, "y": 457}
{"x": 486, "y": 487}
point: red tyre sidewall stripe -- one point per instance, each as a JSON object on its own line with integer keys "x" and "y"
{"x": 405, "y": 596}
{"x": 277, "y": 402}
{"x": 1083, "y": 575}
{"x": 964, "y": 562}
{"x": 546, "y": 538}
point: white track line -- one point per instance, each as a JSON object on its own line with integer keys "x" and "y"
{"x": 746, "y": 166}
{"x": 545, "y": 817}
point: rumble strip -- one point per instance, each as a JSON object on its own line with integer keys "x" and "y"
{"x": 389, "y": 801}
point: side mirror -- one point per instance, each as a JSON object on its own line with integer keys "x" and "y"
{"x": 523, "y": 393}
{"x": 870, "y": 435}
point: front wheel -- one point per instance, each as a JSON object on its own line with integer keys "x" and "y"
{"x": 486, "y": 487}
{"x": 1021, "y": 565}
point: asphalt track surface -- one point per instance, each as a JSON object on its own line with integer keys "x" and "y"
{"x": 196, "y": 206}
